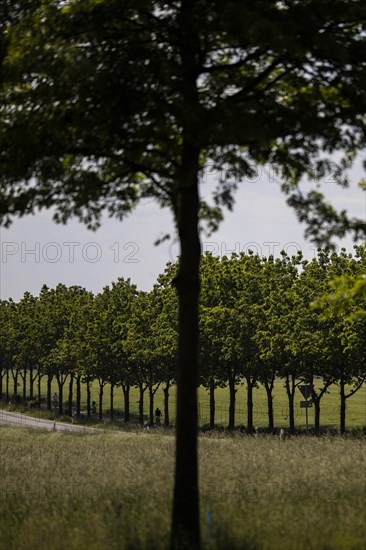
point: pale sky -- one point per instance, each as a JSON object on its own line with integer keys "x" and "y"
{"x": 36, "y": 251}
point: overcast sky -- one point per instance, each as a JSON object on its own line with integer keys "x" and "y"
{"x": 36, "y": 251}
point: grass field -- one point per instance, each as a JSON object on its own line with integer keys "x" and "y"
{"x": 113, "y": 491}
{"x": 355, "y": 416}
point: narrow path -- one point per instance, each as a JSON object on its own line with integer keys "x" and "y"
{"x": 19, "y": 419}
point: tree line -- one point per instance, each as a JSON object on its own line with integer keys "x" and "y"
{"x": 262, "y": 321}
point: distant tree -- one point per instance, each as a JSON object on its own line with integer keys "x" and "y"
{"x": 165, "y": 331}
{"x": 141, "y": 345}
{"x": 6, "y": 345}
{"x": 209, "y": 359}
{"x": 274, "y": 322}
{"x": 342, "y": 312}
{"x": 310, "y": 343}
{"x": 222, "y": 281}
{"x": 220, "y": 326}
{"x": 108, "y": 333}
{"x": 229, "y": 320}
{"x": 348, "y": 289}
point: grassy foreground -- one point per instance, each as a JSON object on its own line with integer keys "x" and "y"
{"x": 62, "y": 490}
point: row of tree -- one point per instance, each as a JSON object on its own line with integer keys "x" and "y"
{"x": 261, "y": 320}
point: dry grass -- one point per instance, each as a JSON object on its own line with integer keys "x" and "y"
{"x": 109, "y": 491}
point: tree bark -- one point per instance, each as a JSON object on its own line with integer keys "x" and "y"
{"x": 60, "y": 398}
{"x": 31, "y": 382}
{"x": 60, "y": 382}
{"x": 166, "y": 406}
{"x": 316, "y": 397}
{"x": 112, "y": 401}
{"x": 24, "y": 384}
{"x": 88, "y": 399}
{"x": 71, "y": 388}
{"x": 141, "y": 404}
{"x": 185, "y": 522}
{"x": 151, "y": 405}
{"x": 126, "y": 397}
{"x": 342, "y": 394}
{"x": 185, "y": 533}
{"x": 101, "y": 391}
{"x": 212, "y": 403}
{"x": 49, "y": 390}
{"x": 232, "y": 392}
{"x": 250, "y": 427}
{"x": 7, "y": 385}
{"x": 61, "y": 379}
{"x": 39, "y": 388}
{"x": 78, "y": 395}
{"x": 269, "y": 391}
{"x": 15, "y": 381}
{"x": 290, "y": 390}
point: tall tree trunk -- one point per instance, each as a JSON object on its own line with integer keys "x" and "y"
{"x": 141, "y": 404}
{"x": 60, "y": 383}
{"x": 166, "y": 405}
{"x": 31, "y": 382}
{"x": 316, "y": 402}
{"x": 88, "y": 399}
{"x": 269, "y": 391}
{"x": 185, "y": 522}
{"x": 290, "y": 390}
{"x": 71, "y": 387}
{"x": 3, "y": 383}
{"x": 250, "y": 426}
{"x": 316, "y": 397}
{"x": 151, "y": 405}
{"x": 232, "y": 392}
{"x": 7, "y": 386}
{"x": 2, "y": 379}
{"x": 24, "y": 384}
{"x": 112, "y": 401}
{"x": 212, "y": 403}
{"x": 126, "y": 397}
{"x": 78, "y": 395}
{"x": 60, "y": 399}
{"x": 291, "y": 412}
{"x": 49, "y": 390}
{"x": 101, "y": 391}
{"x": 39, "y": 388}
{"x": 342, "y": 394}
{"x": 15, "y": 381}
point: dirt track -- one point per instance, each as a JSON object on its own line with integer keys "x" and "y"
{"x": 18, "y": 419}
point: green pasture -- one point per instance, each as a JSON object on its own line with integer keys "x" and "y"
{"x": 355, "y": 415}
{"x": 114, "y": 490}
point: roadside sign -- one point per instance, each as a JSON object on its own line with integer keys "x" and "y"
{"x": 306, "y": 390}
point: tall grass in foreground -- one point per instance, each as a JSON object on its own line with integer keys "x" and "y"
{"x": 113, "y": 491}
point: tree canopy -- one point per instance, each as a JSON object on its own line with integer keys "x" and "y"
{"x": 97, "y": 96}
{"x": 263, "y": 322}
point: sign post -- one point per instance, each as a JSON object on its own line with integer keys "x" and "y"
{"x": 306, "y": 390}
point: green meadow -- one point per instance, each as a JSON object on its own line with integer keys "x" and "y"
{"x": 355, "y": 415}
{"x": 114, "y": 490}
